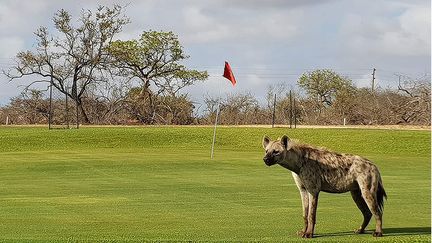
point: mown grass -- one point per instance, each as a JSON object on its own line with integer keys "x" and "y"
{"x": 159, "y": 184}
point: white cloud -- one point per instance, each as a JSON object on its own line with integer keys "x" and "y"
{"x": 407, "y": 34}
{"x": 201, "y": 28}
{"x": 261, "y": 5}
{"x": 10, "y": 46}
{"x": 416, "y": 29}
{"x": 18, "y": 18}
{"x": 204, "y": 26}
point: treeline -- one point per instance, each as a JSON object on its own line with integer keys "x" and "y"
{"x": 409, "y": 104}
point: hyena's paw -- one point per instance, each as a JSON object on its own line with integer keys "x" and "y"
{"x": 300, "y": 232}
{"x": 377, "y": 234}
{"x": 307, "y": 235}
{"x": 359, "y": 231}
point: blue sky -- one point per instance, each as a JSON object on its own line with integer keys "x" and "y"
{"x": 266, "y": 42}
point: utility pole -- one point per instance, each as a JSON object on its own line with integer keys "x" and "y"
{"x": 399, "y": 77}
{"x": 373, "y": 79}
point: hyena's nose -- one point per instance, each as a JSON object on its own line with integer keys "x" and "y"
{"x": 267, "y": 160}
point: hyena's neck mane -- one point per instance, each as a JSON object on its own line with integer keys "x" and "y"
{"x": 300, "y": 154}
{"x": 305, "y": 152}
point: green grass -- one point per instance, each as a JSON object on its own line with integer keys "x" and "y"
{"x": 159, "y": 184}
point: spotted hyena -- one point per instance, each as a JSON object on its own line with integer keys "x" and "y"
{"x": 317, "y": 169}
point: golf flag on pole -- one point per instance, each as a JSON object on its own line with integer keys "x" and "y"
{"x": 228, "y": 74}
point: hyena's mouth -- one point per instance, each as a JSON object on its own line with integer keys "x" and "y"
{"x": 269, "y": 161}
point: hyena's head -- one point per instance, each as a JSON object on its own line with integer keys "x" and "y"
{"x": 275, "y": 151}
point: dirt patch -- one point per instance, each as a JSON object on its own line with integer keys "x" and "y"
{"x": 386, "y": 127}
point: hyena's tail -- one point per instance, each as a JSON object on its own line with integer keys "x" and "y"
{"x": 381, "y": 194}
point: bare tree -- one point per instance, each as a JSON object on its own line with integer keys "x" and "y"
{"x": 76, "y": 58}
{"x": 279, "y": 89}
{"x": 105, "y": 103}
{"x": 29, "y": 107}
{"x": 235, "y": 109}
{"x": 418, "y": 107}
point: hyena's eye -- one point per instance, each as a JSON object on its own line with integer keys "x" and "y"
{"x": 275, "y": 152}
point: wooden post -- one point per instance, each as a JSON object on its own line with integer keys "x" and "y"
{"x": 295, "y": 112}
{"x": 274, "y": 111}
{"x": 67, "y": 112}
{"x": 77, "y": 113}
{"x": 50, "y": 106}
{"x": 291, "y": 109}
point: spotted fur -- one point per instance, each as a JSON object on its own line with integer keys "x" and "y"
{"x": 318, "y": 169}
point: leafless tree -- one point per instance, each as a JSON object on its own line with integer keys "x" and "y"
{"x": 417, "y": 109}
{"x": 29, "y": 107}
{"x": 76, "y": 58}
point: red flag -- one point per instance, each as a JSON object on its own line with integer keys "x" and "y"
{"x": 229, "y": 74}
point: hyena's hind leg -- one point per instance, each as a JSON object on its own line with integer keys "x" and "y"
{"x": 369, "y": 194}
{"x": 361, "y": 204}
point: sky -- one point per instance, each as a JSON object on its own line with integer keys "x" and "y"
{"x": 266, "y": 42}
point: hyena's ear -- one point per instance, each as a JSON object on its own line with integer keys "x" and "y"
{"x": 284, "y": 141}
{"x": 266, "y": 141}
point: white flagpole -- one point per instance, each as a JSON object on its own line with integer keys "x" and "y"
{"x": 229, "y": 76}
{"x": 214, "y": 130}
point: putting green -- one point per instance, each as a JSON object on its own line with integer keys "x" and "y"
{"x": 159, "y": 184}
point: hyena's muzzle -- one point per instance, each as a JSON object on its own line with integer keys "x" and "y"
{"x": 269, "y": 160}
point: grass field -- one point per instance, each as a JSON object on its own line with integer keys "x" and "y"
{"x": 159, "y": 184}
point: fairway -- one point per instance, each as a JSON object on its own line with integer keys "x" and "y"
{"x": 159, "y": 184}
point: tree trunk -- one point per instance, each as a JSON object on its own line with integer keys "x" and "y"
{"x": 152, "y": 106}
{"x": 152, "y": 110}
{"x": 84, "y": 114}
{"x": 82, "y": 111}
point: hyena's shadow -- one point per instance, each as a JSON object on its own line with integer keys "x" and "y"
{"x": 387, "y": 232}
{"x": 408, "y": 231}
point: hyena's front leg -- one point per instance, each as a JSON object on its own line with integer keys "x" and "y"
{"x": 313, "y": 204}
{"x": 304, "y": 196}
{"x": 305, "y": 205}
